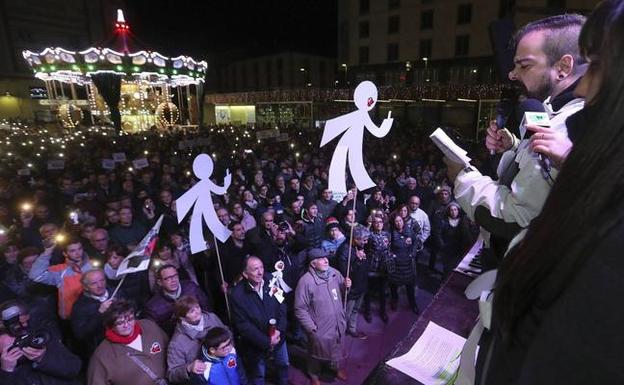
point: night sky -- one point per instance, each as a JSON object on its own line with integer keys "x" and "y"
{"x": 231, "y": 29}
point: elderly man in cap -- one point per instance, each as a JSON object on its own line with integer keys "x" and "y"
{"x": 319, "y": 309}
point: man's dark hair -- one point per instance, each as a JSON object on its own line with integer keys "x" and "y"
{"x": 562, "y": 35}
{"x": 216, "y": 336}
{"x": 116, "y": 309}
{"x": 163, "y": 267}
{"x": 232, "y": 224}
{"x": 71, "y": 240}
{"x": 27, "y": 252}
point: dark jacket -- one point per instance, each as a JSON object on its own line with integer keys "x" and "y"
{"x": 312, "y": 233}
{"x": 160, "y": 307}
{"x": 58, "y": 367}
{"x": 232, "y": 258}
{"x": 128, "y": 235}
{"x": 250, "y": 318}
{"x": 404, "y": 261}
{"x": 87, "y": 323}
{"x": 358, "y": 272}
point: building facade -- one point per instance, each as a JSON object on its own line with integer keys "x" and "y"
{"x": 405, "y": 42}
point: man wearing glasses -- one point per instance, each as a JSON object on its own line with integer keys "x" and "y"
{"x": 160, "y": 307}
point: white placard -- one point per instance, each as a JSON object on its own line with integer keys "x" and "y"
{"x": 140, "y": 163}
{"x": 108, "y": 164}
{"x": 56, "y": 164}
{"x": 351, "y": 126}
{"x": 119, "y": 157}
{"x": 199, "y": 199}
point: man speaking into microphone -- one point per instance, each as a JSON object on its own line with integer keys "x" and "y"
{"x": 547, "y": 66}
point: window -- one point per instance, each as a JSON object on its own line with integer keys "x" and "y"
{"x": 392, "y": 4}
{"x": 269, "y": 73}
{"x": 464, "y": 14}
{"x": 363, "y": 55}
{"x": 364, "y": 30}
{"x": 425, "y": 48}
{"x": 393, "y": 52}
{"x": 426, "y": 20}
{"x": 364, "y": 6}
{"x": 393, "y": 24}
{"x": 462, "y": 45}
{"x": 280, "y": 72}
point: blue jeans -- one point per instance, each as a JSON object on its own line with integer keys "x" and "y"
{"x": 256, "y": 369}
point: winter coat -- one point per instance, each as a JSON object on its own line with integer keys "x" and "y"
{"x": 250, "y": 319}
{"x": 128, "y": 235}
{"x": 403, "y": 272}
{"x": 57, "y": 367}
{"x": 111, "y": 363}
{"x": 87, "y": 323}
{"x": 185, "y": 346}
{"x": 312, "y": 233}
{"x": 378, "y": 252}
{"x": 326, "y": 208}
{"x": 160, "y": 307}
{"x": 64, "y": 277}
{"x": 319, "y": 309}
{"x": 358, "y": 271}
{"x": 220, "y": 371}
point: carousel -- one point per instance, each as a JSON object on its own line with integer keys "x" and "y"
{"x": 123, "y": 83}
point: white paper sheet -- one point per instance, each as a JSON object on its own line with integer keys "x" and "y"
{"x": 450, "y": 149}
{"x": 434, "y": 358}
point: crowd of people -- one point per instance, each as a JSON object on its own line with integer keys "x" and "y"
{"x": 203, "y": 317}
{"x": 300, "y": 264}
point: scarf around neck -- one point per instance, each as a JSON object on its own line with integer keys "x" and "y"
{"x": 115, "y": 338}
{"x": 324, "y": 275}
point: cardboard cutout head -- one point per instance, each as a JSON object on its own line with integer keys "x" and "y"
{"x": 365, "y": 95}
{"x": 203, "y": 166}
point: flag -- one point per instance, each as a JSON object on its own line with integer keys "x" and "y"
{"x": 139, "y": 258}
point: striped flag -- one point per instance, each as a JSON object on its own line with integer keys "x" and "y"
{"x": 139, "y": 258}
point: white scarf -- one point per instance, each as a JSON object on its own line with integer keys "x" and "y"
{"x": 453, "y": 222}
{"x": 199, "y": 327}
{"x": 176, "y": 295}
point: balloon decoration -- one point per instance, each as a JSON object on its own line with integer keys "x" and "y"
{"x": 70, "y": 115}
{"x": 167, "y": 114}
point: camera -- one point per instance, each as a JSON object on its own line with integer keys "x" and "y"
{"x": 37, "y": 339}
{"x": 283, "y": 226}
{"x": 24, "y": 337}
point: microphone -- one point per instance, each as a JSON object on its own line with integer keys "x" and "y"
{"x": 534, "y": 105}
{"x": 505, "y": 107}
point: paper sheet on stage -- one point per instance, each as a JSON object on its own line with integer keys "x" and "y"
{"x": 450, "y": 149}
{"x": 434, "y": 358}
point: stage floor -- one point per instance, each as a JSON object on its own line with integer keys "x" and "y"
{"x": 365, "y": 355}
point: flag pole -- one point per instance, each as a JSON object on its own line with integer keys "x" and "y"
{"x": 118, "y": 286}
{"x": 227, "y": 302}
{"x": 350, "y": 247}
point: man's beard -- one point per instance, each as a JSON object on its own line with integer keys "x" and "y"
{"x": 543, "y": 91}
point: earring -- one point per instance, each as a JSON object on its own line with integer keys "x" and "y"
{"x": 560, "y": 77}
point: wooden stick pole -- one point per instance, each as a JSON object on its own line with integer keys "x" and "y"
{"x": 227, "y": 302}
{"x": 350, "y": 247}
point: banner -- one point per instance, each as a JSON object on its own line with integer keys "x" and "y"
{"x": 139, "y": 258}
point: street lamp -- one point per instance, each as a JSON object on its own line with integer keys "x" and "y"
{"x": 346, "y": 73}
{"x": 305, "y": 76}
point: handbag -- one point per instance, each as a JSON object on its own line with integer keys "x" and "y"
{"x": 389, "y": 262}
{"x": 157, "y": 380}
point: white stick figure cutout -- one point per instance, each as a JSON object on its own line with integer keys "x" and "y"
{"x": 350, "y": 145}
{"x": 199, "y": 195}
